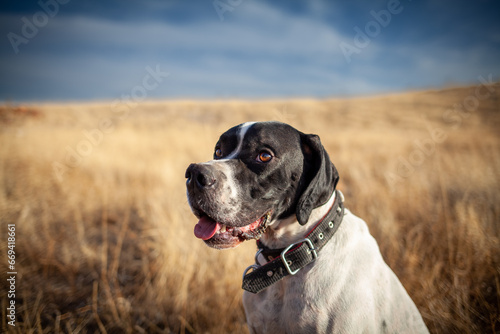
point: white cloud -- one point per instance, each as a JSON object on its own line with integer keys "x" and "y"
{"x": 262, "y": 49}
{"x": 258, "y": 50}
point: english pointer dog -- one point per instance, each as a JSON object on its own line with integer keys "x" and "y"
{"x": 317, "y": 268}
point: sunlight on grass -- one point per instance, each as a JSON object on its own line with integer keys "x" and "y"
{"x": 105, "y": 235}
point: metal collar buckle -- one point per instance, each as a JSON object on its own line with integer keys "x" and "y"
{"x": 283, "y": 254}
{"x": 253, "y": 266}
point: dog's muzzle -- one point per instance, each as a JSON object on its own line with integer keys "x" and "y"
{"x": 220, "y": 224}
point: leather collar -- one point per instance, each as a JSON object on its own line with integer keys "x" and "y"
{"x": 289, "y": 260}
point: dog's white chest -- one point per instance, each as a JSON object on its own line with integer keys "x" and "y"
{"x": 348, "y": 289}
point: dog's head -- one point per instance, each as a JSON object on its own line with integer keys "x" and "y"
{"x": 260, "y": 173}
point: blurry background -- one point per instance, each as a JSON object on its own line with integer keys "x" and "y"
{"x": 88, "y": 50}
{"x": 105, "y": 103}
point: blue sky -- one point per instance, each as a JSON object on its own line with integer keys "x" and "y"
{"x": 100, "y": 50}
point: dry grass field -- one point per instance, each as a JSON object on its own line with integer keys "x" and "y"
{"x": 104, "y": 234}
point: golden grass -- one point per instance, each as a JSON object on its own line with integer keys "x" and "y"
{"x": 105, "y": 242}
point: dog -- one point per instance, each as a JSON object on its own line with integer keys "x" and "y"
{"x": 317, "y": 269}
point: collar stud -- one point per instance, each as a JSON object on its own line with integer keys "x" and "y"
{"x": 288, "y": 261}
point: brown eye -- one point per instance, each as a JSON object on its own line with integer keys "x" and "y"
{"x": 218, "y": 153}
{"x": 264, "y": 157}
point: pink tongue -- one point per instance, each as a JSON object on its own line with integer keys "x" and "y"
{"x": 206, "y": 228}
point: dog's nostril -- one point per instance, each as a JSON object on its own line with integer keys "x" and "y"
{"x": 204, "y": 181}
{"x": 188, "y": 177}
{"x": 199, "y": 176}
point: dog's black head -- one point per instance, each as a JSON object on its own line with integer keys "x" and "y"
{"x": 260, "y": 172}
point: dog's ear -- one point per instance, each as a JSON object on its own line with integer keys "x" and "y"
{"x": 321, "y": 177}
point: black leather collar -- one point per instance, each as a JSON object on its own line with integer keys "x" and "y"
{"x": 289, "y": 260}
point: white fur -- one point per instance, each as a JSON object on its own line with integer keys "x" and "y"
{"x": 229, "y": 197}
{"x": 241, "y": 134}
{"x": 282, "y": 233}
{"x": 348, "y": 289}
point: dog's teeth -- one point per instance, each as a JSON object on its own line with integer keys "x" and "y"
{"x": 223, "y": 229}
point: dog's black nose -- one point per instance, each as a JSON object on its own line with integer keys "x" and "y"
{"x": 200, "y": 176}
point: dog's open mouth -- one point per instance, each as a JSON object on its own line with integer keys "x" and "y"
{"x": 221, "y": 236}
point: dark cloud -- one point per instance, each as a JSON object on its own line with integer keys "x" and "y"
{"x": 99, "y": 49}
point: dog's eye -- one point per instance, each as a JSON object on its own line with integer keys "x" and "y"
{"x": 264, "y": 156}
{"x": 218, "y": 153}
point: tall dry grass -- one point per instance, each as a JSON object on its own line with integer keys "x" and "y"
{"x": 107, "y": 244}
